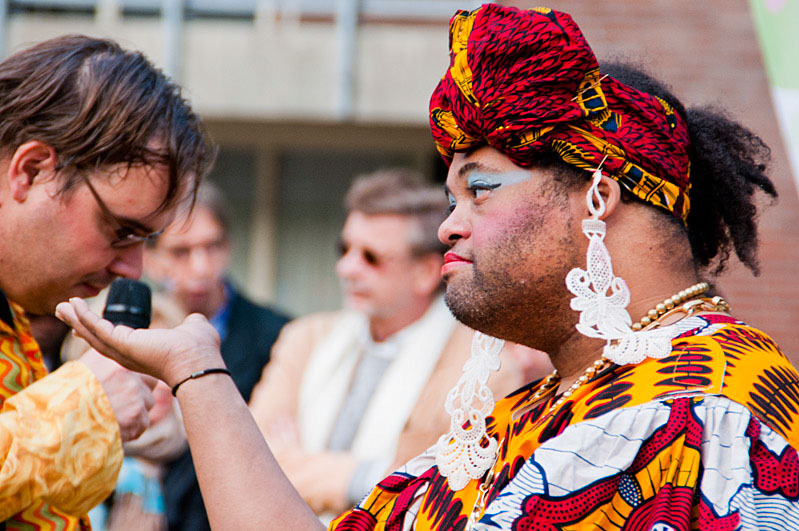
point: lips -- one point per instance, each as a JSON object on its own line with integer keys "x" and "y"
{"x": 453, "y": 261}
{"x": 93, "y": 284}
{"x": 91, "y": 290}
{"x": 452, "y": 257}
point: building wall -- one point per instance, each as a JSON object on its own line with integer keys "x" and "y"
{"x": 276, "y": 69}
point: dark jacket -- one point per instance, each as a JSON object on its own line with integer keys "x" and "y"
{"x": 252, "y": 330}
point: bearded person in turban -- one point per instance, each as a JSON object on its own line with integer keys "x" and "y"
{"x": 589, "y": 212}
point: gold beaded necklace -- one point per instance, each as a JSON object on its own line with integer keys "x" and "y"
{"x": 683, "y": 302}
{"x": 669, "y": 304}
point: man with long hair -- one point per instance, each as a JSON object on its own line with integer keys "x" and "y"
{"x": 97, "y": 149}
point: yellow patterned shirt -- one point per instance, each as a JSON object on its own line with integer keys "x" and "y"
{"x": 705, "y": 438}
{"x": 60, "y": 449}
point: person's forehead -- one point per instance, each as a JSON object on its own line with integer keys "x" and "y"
{"x": 485, "y": 159}
{"x": 134, "y": 195}
{"x": 201, "y": 227}
{"x": 378, "y": 231}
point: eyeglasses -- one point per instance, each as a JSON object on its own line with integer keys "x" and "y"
{"x": 128, "y": 232}
{"x": 371, "y": 257}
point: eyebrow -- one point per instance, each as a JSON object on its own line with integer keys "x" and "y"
{"x": 134, "y": 224}
{"x": 463, "y": 171}
{"x": 472, "y": 166}
{"x": 122, "y": 221}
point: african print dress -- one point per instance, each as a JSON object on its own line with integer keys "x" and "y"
{"x": 704, "y": 439}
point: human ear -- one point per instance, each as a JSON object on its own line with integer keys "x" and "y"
{"x": 31, "y": 160}
{"x": 610, "y": 192}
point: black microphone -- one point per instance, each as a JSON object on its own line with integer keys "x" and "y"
{"x": 128, "y": 303}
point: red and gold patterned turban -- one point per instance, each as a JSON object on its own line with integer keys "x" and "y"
{"x": 526, "y": 82}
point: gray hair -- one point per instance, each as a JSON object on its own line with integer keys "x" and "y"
{"x": 403, "y": 192}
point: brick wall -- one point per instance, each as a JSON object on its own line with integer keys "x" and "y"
{"x": 707, "y": 50}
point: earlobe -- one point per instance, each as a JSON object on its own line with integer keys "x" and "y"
{"x": 31, "y": 160}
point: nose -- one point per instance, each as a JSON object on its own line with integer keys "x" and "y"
{"x": 200, "y": 261}
{"x": 348, "y": 265}
{"x": 128, "y": 262}
{"x": 454, "y": 227}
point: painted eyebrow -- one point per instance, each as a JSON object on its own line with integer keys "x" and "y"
{"x": 473, "y": 166}
{"x": 469, "y": 167}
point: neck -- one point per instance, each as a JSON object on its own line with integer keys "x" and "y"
{"x": 578, "y": 352}
{"x": 215, "y": 301}
{"x": 383, "y": 327}
{"x": 574, "y": 356}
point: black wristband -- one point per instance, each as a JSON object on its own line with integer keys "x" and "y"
{"x": 198, "y": 374}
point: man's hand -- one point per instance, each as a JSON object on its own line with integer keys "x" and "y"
{"x": 167, "y": 354}
{"x": 130, "y": 394}
{"x": 321, "y": 479}
{"x": 283, "y": 436}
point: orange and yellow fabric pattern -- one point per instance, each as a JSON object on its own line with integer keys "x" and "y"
{"x": 60, "y": 448}
{"x": 705, "y": 438}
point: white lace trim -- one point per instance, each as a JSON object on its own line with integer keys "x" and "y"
{"x": 602, "y": 298}
{"x": 459, "y": 455}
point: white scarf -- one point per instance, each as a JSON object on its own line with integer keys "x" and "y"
{"x": 332, "y": 366}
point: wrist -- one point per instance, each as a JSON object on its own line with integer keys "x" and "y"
{"x": 199, "y": 374}
{"x": 181, "y": 367}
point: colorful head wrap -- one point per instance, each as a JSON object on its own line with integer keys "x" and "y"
{"x": 526, "y": 82}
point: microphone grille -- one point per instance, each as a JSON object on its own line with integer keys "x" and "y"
{"x": 128, "y": 303}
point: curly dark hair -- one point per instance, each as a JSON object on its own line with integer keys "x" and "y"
{"x": 729, "y": 163}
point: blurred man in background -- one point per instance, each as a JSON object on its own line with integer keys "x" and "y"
{"x": 351, "y": 394}
{"x": 190, "y": 260}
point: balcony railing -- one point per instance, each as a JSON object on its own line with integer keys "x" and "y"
{"x": 379, "y": 9}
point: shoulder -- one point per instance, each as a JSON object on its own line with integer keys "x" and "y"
{"x": 241, "y": 306}
{"x": 316, "y": 324}
{"x": 760, "y": 376}
{"x": 711, "y": 355}
{"x": 709, "y": 444}
{"x": 718, "y": 355}
{"x": 309, "y": 330}
{"x": 457, "y": 348}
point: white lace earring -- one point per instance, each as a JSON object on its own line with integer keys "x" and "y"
{"x": 602, "y": 298}
{"x": 459, "y": 454}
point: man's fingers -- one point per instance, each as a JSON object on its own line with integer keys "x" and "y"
{"x": 97, "y": 332}
{"x": 200, "y": 318}
{"x": 91, "y": 321}
{"x": 149, "y": 381}
{"x": 133, "y": 431}
{"x": 111, "y": 335}
{"x": 149, "y": 400}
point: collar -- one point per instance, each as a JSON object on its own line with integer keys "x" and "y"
{"x": 393, "y": 344}
{"x": 221, "y": 319}
{"x": 5, "y": 311}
